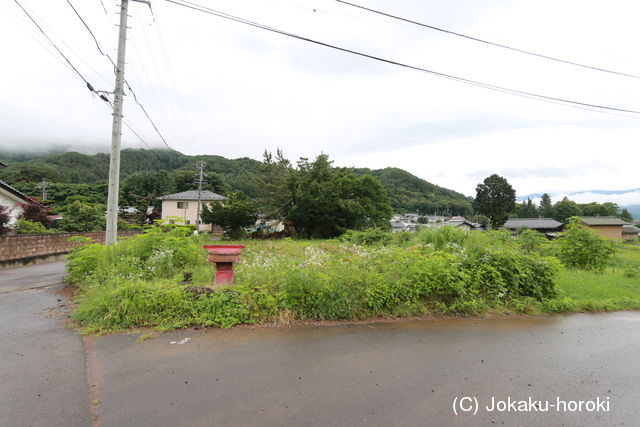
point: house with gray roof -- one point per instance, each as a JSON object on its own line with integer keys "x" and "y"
{"x": 13, "y": 200}
{"x": 547, "y": 226}
{"x": 606, "y": 226}
{"x": 461, "y": 223}
{"x": 630, "y": 232}
{"x": 185, "y": 206}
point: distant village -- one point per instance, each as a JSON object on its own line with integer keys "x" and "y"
{"x": 611, "y": 227}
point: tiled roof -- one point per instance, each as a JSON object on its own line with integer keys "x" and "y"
{"x": 17, "y": 193}
{"x": 602, "y": 220}
{"x": 532, "y": 223}
{"x": 193, "y": 195}
{"x": 630, "y": 229}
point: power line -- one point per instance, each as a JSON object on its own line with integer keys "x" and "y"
{"x": 176, "y": 92}
{"x": 101, "y": 94}
{"x": 51, "y": 31}
{"x": 126, "y": 82}
{"x": 89, "y": 86}
{"x": 90, "y": 32}
{"x": 29, "y": 32}
{"x": 527, "y": 52}
{"x": 180, "y": 132}
{"x": 103, "y": 8}
{"x": 516, "y": 92}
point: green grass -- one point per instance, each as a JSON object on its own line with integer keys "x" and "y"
{"x": 616, "y": 288}
{"x": 139, "y": 282}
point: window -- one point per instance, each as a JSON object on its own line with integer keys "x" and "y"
{"x": 183, "y": 205}
{"x": 187, "y": 222}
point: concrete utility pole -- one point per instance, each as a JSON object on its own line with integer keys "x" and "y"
{"x": 116, "y": 132}
{"x": 200, "y": 181}
{"x": 42, "y": 185}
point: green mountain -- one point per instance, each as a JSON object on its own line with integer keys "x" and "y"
{"x": 409, "y": 193}
{"x": 79, "y": 171}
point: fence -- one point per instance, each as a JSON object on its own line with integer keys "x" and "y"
{"x": 27, "y": 248}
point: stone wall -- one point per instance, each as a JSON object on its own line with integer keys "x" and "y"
{"x": 30, "y": 247}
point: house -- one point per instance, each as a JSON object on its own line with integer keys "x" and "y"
{"x": 185, "y": 205}
{"x": 630, "y": 232}
{"x": 547, "y": 226}
{"x": 462, "y": 224}
{"x": 397, "y": 226}
{"x": 129, "y": 213}
{"x": 606, "y": 226}
{"x": 13, "y": 200}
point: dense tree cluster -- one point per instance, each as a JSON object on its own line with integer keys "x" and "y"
{"x": 234, "y": 215}
{"x": 85, "y": 175}
{"x": 321, "y": 201}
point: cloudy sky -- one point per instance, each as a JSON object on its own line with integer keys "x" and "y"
{"x": 215, "y": 86}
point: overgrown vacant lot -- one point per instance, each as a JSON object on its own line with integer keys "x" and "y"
{"x": 616, "y": 288}
{"x": 141, "y": 281}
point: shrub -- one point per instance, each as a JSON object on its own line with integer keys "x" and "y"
{"x": 442, "y": 237}
{"x": 530, "y": 240}
{"x": 155, "y": 254}
{"x": 4, "y": 220}
{"x": 582, "y": 247}
{"x": 82, "y": 216}
{"x": 370, "y": 236}
{"x": 136, "y": 282}
{"x": 24, "y": 226}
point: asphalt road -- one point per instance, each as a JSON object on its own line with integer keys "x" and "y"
{"x": 43, "y": 381}
{"x": 398, "y": 373}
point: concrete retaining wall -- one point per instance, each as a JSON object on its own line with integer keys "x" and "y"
{"x": 29, "y": 248}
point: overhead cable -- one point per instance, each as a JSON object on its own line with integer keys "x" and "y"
{"x": 516, "y": 92}
{"x": 515, "y": 49}
{"x": 126, "y": 82}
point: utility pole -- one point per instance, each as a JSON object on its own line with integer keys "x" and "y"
{"x": 42, "y": 185}
{"x": 116, "y": 132}
{"x": 200, "y": 181}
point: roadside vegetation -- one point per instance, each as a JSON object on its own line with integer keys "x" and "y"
{"x": 144, "y": 281}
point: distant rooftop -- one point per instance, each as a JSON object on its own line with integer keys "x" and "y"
{"x": 193, "y": 195}
{"x": 630, "y": 229}
{"x": 602, "y": 220}
{"x": 532, "y": 223}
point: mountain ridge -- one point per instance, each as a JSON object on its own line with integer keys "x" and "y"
{"x": 408, "y": 192}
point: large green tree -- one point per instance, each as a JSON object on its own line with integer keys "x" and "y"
{"x": 527, "y": 209}
{"x": 320, "y": 200}
{"x": 277, "y": 182}
{"x": 625, "y": 215}
{"x": 234, "y": 215}
{"x": 330, "y": 201}
{"x": 185, "y": 180}
{"x": 565, "y": 209}
{"x": 546, "y": 207}
{"x": 495, "y": 198}
{"x": 146, "y": 184}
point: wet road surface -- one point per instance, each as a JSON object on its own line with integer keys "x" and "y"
{"x": 42, "y": 375}
{"x": 380, "y": 374}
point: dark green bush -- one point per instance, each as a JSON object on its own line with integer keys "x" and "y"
{"x": 582, "y": 247}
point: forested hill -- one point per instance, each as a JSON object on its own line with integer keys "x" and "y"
{"x": 408, "y": 192}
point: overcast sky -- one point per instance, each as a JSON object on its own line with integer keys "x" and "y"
{"x": 225, "y": 88}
